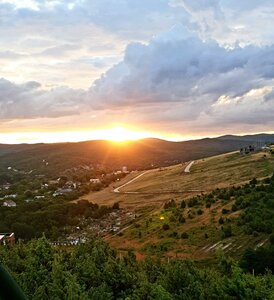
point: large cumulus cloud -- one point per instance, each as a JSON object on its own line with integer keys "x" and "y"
{"x": 183, "y": 70}
{"x": 30, "y": 100}
{"x": 194, "y": 78}
{"x": 215, "y": 67}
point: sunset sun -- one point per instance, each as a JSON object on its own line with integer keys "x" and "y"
{"x": 121, "y": 134}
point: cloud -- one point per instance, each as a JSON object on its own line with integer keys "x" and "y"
{"x": 230, "y": 22}
{"x": 190, "y": 76}
{"x": 214, "y": 66}
{"x": 183, "y": 70}
{"x": 29, "y": 100}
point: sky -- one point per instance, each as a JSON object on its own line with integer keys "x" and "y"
{"x": 173, "y": 69}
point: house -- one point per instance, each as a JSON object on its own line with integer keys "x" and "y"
{"x": 6, "y": 186}
{"x": 247, "y": 150}
{"x": 117, "y": 172}
{"x": 12, "y": 196}
{"x": 94, "y": 180}
{"x": 39, "y": 197}
{"x": 61, "y": 191}
{"x": 9, "y": 203}
{"x": 7, "y": 238}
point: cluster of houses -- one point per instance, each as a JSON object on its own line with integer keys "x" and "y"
{"x": 67, "y": 187}
{"x": 247, "y": 150}
{"x": 112, "y": 223}
{"x": 7, "y": 238}
{"x": 253, "y": 148}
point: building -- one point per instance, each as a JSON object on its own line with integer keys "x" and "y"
{"x": 7, "y": 238}
{"x": 9, "y": 203}
{"x": 94, "y": 180}
{"x": 247, "y": 150}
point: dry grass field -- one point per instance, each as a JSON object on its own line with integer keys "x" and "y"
{"x": 206, "y": 174}
{"x": 147, "y": 194}
{"x": 159, "y": 185}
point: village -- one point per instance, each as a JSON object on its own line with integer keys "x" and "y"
{"x": 71, "y": 184}
{"x": 67, "y": 187}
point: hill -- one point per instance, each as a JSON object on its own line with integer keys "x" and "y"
{"x": 203, "y": 210}
{"x": 136, "y": 155}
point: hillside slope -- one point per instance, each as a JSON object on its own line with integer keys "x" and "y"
{"x": 142, "y": 154}
{"x": 231, "y": 215}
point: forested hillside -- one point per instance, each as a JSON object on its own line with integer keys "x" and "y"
{"x": 142, "y": 154}
{"x": 95, "y": 271}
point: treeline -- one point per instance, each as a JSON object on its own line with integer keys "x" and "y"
{"x": 31, "y": 220}
{"x": 95, "y": 271}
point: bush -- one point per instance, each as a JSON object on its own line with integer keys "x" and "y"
{"x": 170, "y": 204}
{"x": 183, "y": 204}
{"x": 190, "y": 215}
{"x": 227, "y": 231}
{"x": 116, "y": 205}
{"x": 208, "y": 205}
{"x": 234, "y": 207}
{"x": 182, "y": 219}
{"x": 271, "y": 239}
{"x": 166, "y": 227}
{"x": 253, "y": 181}
{"x": 192, "y": 202}
{"x": 200, "y": 211}
{"x": 184, "y": 235}
{"x": 225, "y": 211}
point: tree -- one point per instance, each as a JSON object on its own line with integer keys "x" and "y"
{"x": 183, "y": 204}
{"x": 116, "y": 205}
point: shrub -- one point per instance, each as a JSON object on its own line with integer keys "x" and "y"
{"x": 116, "y": 205}
{"x": 184, "y": 235}
{"x": 182, "y": 219}
{"x": 192, "y": 202}
{"x": 190, "y": 215}
{"x": 200, "y": 211}
{"x": 208, "y": 205}
{"x": 183, "y": 204}
{"x": 271, "y": 239}
{"x": 166, "y": 227}
{"x": 227, "y": 231}
{"x": 253, "y": 181}
{"x": 225, "y": 211}
{"x": 170, "y": 204}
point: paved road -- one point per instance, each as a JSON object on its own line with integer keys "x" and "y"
{"x": 117, "y": 190}
{"x": 187, "y": 169}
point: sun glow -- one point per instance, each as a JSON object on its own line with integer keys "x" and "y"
{"x": 115, "y": 134}
{"x": 120, "y": 134}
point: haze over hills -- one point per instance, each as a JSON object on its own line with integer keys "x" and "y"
{"x": 140, "y": 154}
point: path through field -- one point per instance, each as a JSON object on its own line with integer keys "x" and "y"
{"x": 187, "y": 169}
{"x": 117, "y": 190}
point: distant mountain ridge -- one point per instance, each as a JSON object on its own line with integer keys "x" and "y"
{"x": 262, "y": 137}
{"x": 140, "y": 154}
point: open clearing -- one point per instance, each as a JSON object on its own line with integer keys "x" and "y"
{"x": 157, "y": 186}
{"x": 145, "y": 192}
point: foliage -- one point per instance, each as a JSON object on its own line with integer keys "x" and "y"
{"x": 95, "y": 271}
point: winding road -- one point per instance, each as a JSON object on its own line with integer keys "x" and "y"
{"x": 117, "y": 190}
{"x": 187, "y": 169}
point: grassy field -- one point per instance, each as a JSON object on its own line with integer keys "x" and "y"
{"x": 160, "y": 185}
{"x": 206, "y": 174}
{"x": 204, "y": 232}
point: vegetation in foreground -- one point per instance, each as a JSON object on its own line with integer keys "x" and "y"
{"x": 233, "y": 219}
{"x": 95, "y": 271}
